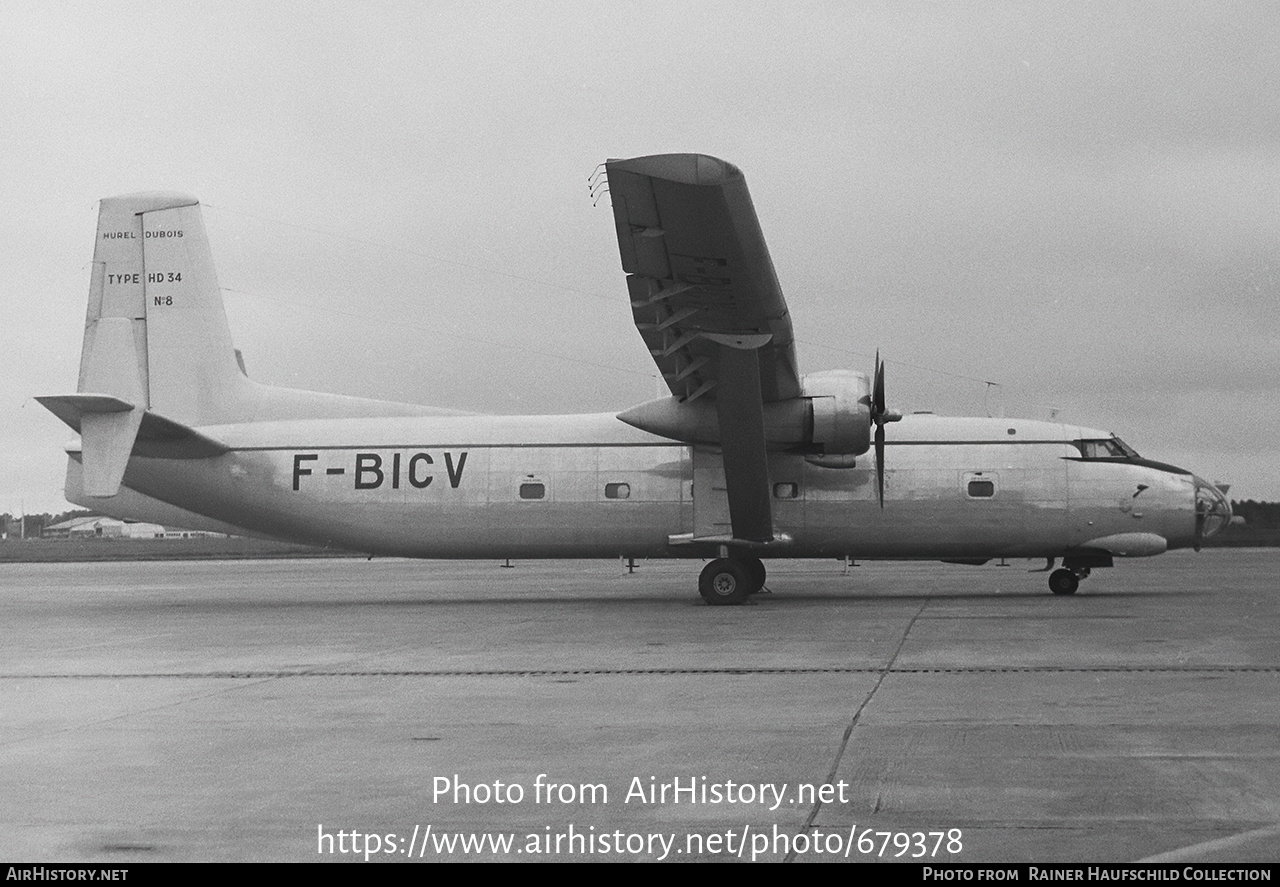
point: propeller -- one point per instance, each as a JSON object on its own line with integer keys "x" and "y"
{"x": 881, "y": 415}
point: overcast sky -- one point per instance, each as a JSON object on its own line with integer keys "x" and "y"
{"x": 1079, "y": 202}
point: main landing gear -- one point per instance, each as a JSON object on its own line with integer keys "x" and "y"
{"x": 1066, "y": 581}
{"x": 729, "y": 580}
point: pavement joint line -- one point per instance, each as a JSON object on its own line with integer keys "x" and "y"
{"x": 257, "y": 674}
{"x": 885, "y": 671}
{"x": 1196, "y": 852}
{"x": 125, "y": 715}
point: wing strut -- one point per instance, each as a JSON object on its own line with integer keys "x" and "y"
{"x": 740, "y": 411}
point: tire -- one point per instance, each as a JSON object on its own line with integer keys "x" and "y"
{"x": 1063, "y": 582}
{"x": 725, "y": 582}
{"x": 755, "y": 569}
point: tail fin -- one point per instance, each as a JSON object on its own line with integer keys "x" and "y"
{"x": 155, "y": 339}
{"x": 158, "y": 359}
{"x": 156, "y": 334}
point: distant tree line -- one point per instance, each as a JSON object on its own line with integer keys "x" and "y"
{"x": 1261, "y": 515}
{"x": 35, "y": 523}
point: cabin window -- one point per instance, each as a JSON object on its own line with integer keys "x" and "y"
{"x": 786, "y": 491}
{"x": 982, "y": 489}
{"x": 533, "y": 490}
{"x": 980, "y": 484}
{"x": 617, "y": 491}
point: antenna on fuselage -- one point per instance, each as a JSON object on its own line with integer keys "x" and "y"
{"x": 986, "y": 394}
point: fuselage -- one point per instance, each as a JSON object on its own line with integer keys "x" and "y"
{"x": 592, "y": 486}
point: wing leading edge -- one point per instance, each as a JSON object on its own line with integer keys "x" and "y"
{"x": 707, "y": 303}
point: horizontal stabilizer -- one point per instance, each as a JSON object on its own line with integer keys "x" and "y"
{"x": 71, "y": 407}
{"x": 108, "y": 427}
{"x": 111, "y": 430}
{"x": 156, "y": 437}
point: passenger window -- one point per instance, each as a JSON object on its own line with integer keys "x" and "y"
{"x": 981, "y": 489}
{"x": 532, "y": 490}
{"x": 617, "y": 491}
{"x": 786, "y": 491}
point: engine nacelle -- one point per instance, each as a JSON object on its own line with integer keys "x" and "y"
{"x": 830, "y": 422}
{"x": 840, "y": 402}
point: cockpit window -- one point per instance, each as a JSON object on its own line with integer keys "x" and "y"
{"x": 1106, "y": 448}
{"x": 1100, "y": 449}
{"x": 1125, "y": 448}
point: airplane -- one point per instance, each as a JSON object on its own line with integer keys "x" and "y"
{"x": 745, "y": 460}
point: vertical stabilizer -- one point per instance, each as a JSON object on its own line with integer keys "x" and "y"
{"x": 156, "y": 334}
{"x": 158, "y": 360}
{"x": 114, "y": 357}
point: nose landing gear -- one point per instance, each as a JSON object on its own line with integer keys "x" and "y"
{"x": 1066, "y": 581}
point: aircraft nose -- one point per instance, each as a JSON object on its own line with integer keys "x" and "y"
{"x": 1213, "y": 511}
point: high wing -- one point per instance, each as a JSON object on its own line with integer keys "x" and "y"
{"x": 699, "y": 272}
{"x": 707, "y": 302}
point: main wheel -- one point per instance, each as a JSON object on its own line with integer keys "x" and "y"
{"x": 725, "y": 581}
{"x": 755, "y": 569}
{"x": 1063, "y": 582}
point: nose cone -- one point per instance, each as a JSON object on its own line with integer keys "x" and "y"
{"x": 1213, "y": 511}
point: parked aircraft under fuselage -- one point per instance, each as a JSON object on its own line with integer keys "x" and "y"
{"x": 747, "y": 459}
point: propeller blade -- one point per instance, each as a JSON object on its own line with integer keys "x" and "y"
{"x": 877, "y": 398}
{"x": 879, "y": 415}
{"x": 880, "y": 462}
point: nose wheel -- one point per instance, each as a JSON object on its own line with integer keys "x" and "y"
{"x": 1066, "y": 581}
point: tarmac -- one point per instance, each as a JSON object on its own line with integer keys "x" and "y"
{"x": 338, "y": 710}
